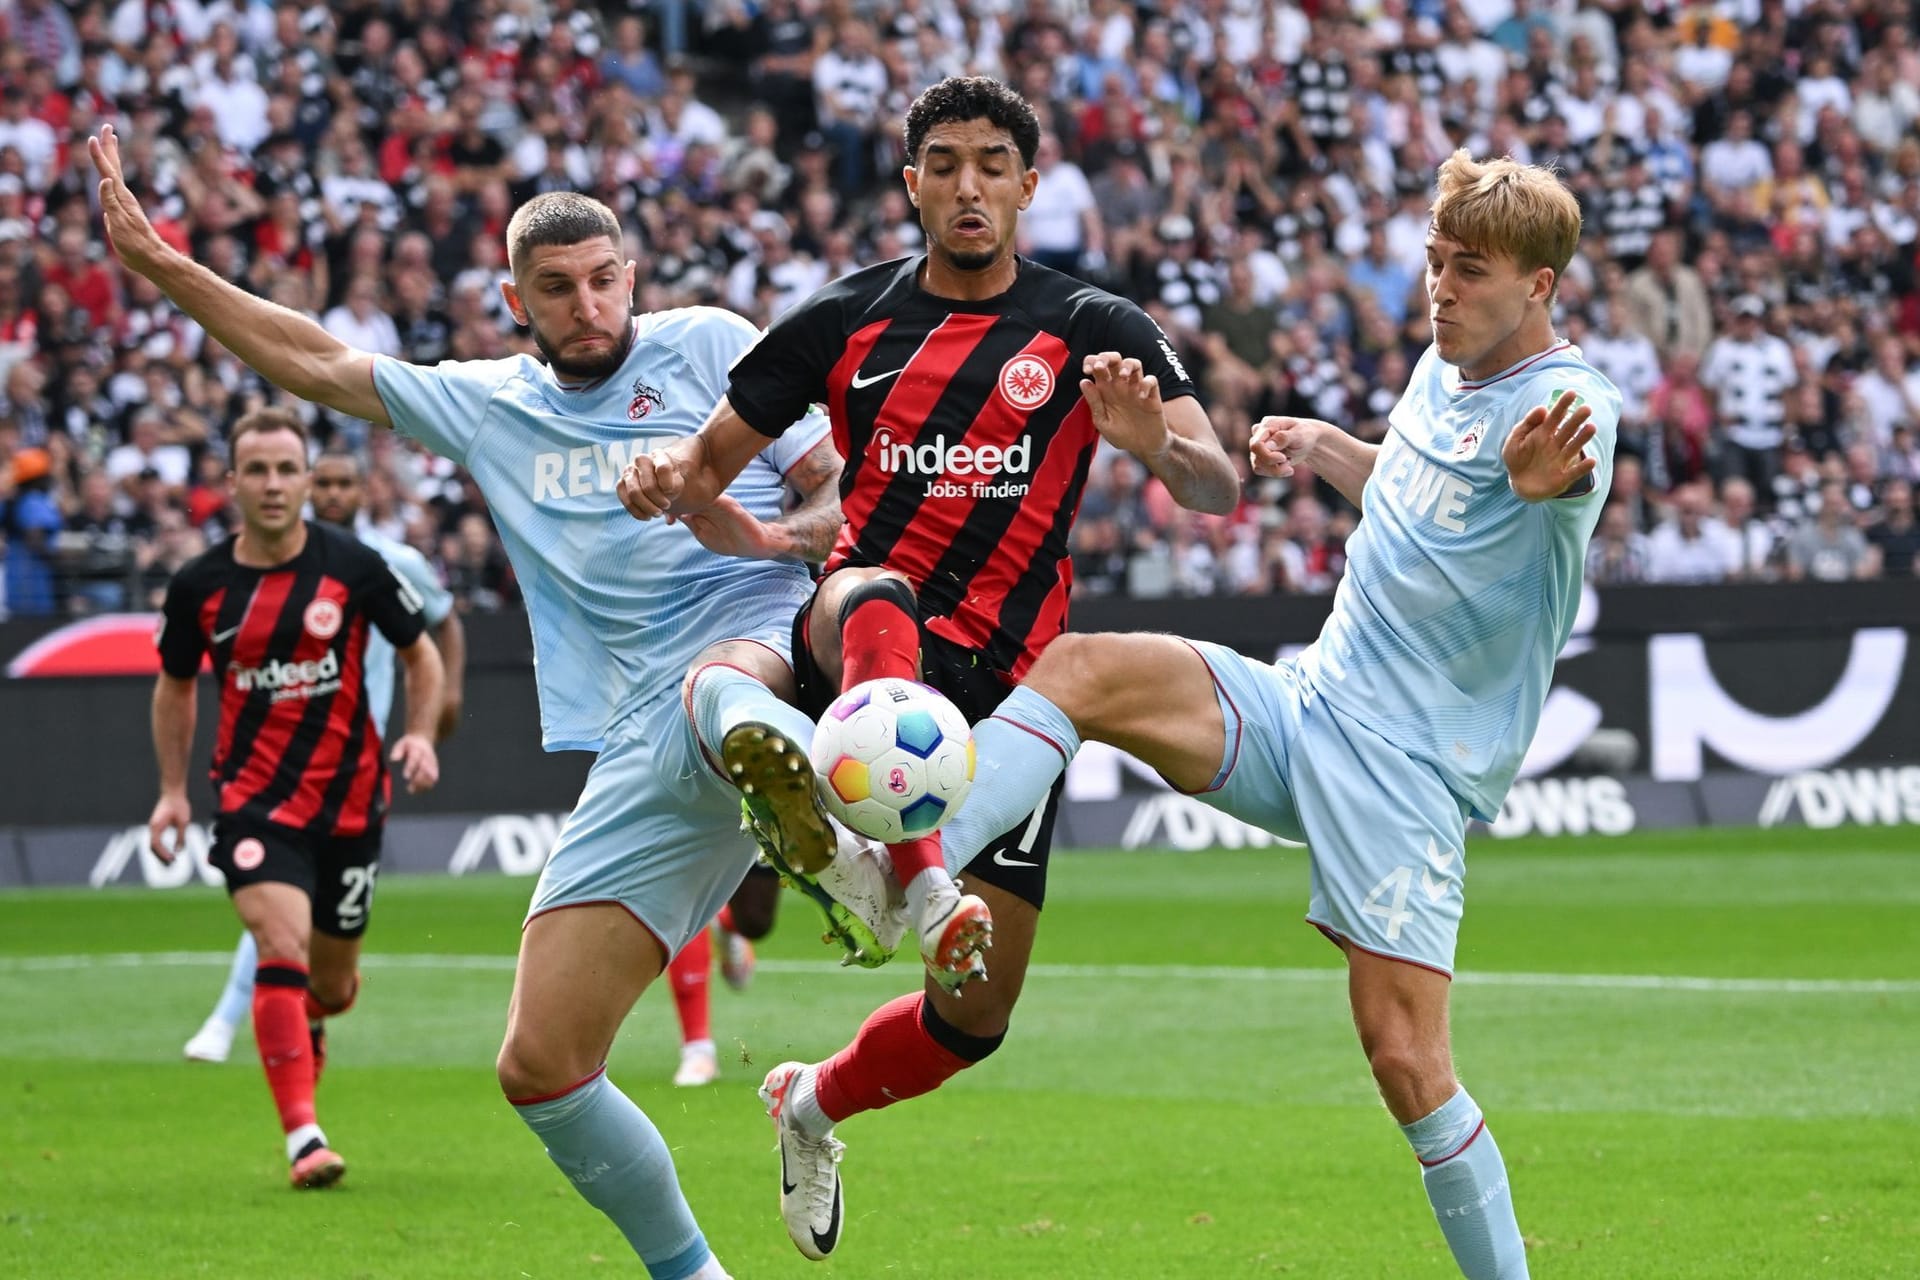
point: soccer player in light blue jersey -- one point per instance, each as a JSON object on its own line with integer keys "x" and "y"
{"x": 651, "y": 650}
{"x": 338, "y": 492}
{"x": 1412, "y": 711}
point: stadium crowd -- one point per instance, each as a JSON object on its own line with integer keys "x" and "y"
{"x": 1255, "y": 173}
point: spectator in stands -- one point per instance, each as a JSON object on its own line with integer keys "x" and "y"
{"x": 1667, "y": 300}
{"x": 850, "y": 84}
{"x": 1062, "y": 226}
{"x": 1618, "y": 553}
{"x": 30, "y": 521}
{"x": 1830, "y": 547}
{"x": 1690, "y": 546}
{"x": 1751, "y": 372}
{"x": 1754, "y": 543}
{"x": 1896, "y": 536}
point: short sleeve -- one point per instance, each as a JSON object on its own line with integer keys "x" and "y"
{"x": 436, "y": 602}
{"x": 391, "y": 604}
{"x": 787, "y": 450}
{"x": 1132, "y": 332}
{"x": 180, "y": 641}
{"x": 1603, "y": 399}
{"x": 442, "y": 406}
{"x": 774, "y": 384}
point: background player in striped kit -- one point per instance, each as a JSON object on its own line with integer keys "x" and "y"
{"x": 653, "y": 652}
{"x": 337, "y": 493}
{"x": 969, "y": 389}
{"x": 1413, "y": 710}
{"x": 300, "y": 781}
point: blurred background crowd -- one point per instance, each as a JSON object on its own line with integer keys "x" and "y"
{"x": 1255, "y": 173}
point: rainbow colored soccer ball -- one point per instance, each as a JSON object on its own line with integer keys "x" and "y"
{"x": 894, "y": 759}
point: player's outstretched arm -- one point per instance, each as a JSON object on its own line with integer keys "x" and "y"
{"x": 1546, "y": 454}
{"x": 284, "y": 347}
{"x": 727, "y": 528}
{"x": 414, "y": 753}
{"x": 174, "y": 712}
{"x": 1174, "y": 441}
{"x": 450, "y": 637}
{"x": 689, "y": 474}
{"x": 1279, "y": 444}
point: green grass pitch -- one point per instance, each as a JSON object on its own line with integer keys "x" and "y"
{"x": 1700, "y": 1053}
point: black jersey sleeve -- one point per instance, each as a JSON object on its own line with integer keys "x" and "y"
{"x": 390, "y": 602}
{"x": 1132, "y": 332}
{"x": 181, "y": 642}
{"x": 772, "y": 386}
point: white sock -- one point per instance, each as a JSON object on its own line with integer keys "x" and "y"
{"x": 697, "y": 1046}
{"x": 804, "y": 1105}
{"x": 926, "y": 886}
{"x": 711, "y": 1270}
{"x": 297, "y": 1140}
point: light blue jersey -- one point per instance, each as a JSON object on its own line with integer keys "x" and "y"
{"x": 619, "y": 607}
{"x": 1458, "y": 594}
{"x": 436, "y": 602}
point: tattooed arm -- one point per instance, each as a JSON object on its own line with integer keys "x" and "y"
{"x": 805, "y": 533}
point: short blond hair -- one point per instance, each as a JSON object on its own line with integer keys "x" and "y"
{"x": 1509, "y": 209}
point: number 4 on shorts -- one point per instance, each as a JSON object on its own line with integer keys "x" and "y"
{"x": 1395, "y": 913}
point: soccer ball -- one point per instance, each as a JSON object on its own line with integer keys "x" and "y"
{"x": 894, "y": 759}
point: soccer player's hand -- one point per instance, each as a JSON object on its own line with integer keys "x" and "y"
{"x": 1546, "y": 454}
{"x": 1278, "y": 445}
{"x": 170, "y": 813}
{"x": 129, "y": 232}
{"x": 419, "y": 765}
{"x": 1126, "y": 405}
{"x": 729, "y": 529}
{"x": 650, "y": 484}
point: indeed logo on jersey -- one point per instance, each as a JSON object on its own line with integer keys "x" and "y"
{"x": 291, "y": 679}
{"x": 956, "y": 470}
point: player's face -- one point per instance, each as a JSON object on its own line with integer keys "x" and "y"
{"x": 970, "y": 186}
{"x": 269, "y": 481}
{"x": 578, "y": 301}
{"x": 1477, "y": 302}
{"x": 337, "y": 491}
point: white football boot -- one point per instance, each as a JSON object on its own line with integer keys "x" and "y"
{"x": 811, "y": 1202}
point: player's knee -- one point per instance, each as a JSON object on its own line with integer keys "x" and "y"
{"x": 527, "y": 1069}
{"x": 1413, "y": 1079}
{"x": 970, "y": 1033}
{"x": 335, "y": 992}
{"x": 1078, "y": 673}
{"x": 886, "y": 587}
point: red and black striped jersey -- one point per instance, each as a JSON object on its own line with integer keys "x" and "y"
{"x": 966, "y": 437}
{"x": 296, "y": 745}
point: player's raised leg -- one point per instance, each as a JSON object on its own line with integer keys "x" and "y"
{"x": 214, "y": 1040}
{"x": 581, "y": 969}
{"x": 735, "y": 698}
{"x": 865, "y": 625}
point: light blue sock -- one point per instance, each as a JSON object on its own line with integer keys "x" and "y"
{"x": 1018, "y": 753}
{"x": 726, "y": 697}
{"x": 237, "y": 999}
{"x": 1467, "y": 1185}
{"x": 614, "y": 1157}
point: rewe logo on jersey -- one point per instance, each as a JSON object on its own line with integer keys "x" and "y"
{"x": 955, "y": 470}
{"x": 588, "y": 469}
{"x": 291, "y": 679}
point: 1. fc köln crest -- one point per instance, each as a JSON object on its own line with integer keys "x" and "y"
{"x": 645, "y": 400}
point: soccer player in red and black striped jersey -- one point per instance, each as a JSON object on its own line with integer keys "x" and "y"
{"x": 299, "y": 774}
{"x": 968, "y": 389}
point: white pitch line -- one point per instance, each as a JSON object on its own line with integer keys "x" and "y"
{"x": 1097, "y": 972}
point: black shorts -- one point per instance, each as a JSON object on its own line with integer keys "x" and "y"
{"x": 335, "y": 872}
{"x": 1015, "y": 860}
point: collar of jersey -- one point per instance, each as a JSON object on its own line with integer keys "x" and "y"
{"x": 1560, "y": 346}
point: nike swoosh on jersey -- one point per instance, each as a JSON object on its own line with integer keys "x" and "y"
{"x": 1000, "y": 857}
{"x": 857, "y": 382}
{"x": 221, "y": 637}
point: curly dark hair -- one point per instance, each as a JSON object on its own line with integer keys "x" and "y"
{"x": 962, "y": 98}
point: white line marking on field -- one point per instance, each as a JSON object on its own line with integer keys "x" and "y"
{"x": 1097, "y": 972}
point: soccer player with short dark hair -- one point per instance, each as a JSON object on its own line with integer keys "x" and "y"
{"x": 969, "y": 389}
{"x": 299, "y": 776}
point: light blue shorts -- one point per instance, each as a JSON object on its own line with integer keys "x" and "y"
{"x": 1386, "y": 838}
{"x": 656, "y": 829}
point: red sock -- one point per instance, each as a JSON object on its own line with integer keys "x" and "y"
{"x": 893, "y": 1058}
{"x": 280, "y": 1030}
{"x": 878, "y": 638}
{"x": 725, "y": 918}
{"x": 689, "y": 974}
{"x": 915, "y": 856}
